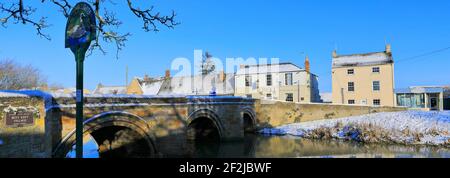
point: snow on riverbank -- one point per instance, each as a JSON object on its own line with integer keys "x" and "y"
{"x": 406, "y": 127}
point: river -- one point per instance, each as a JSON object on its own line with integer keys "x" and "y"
{"x": 261, "y": 146}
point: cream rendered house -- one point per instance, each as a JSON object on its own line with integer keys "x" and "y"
{"x": 283, "y": 81}
{"x": 364, "y": 79}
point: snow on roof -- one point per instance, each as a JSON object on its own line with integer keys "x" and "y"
{"x": 268, "y": 68}
{"x": 110, "y": 90}
{"x": 198, "y": 85}
{"x": 376, "y": 58}
{"x": 151, "y": 88}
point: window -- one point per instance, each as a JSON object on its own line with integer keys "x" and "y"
{"x": 351, "y": 101}
{"x": 288, "y": 78}
{"x": 351, "y": 71}
{"x": 249, "y": 96}
{"x": 376, "y": 102}
{"x": 269, "y": 96}
{"x": 412, "y": 100}
{"x": 375, "y": 69}
{"x": 269, "y": 80}
{"x": 351, "y": 86}
{"x": 248, "y": 80}
{"x": 289, "y": 97}
{"x": 376, "y": 85}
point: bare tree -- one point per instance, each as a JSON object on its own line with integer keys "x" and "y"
{"x": 18, "y": 12}
{"x": 14, "y": 76}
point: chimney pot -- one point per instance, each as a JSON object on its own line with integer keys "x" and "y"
{"x": 307, "y": 66}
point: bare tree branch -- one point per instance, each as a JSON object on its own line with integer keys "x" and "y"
{"x": 107, "y": 21}
{"x": 18, "y": 13}
{"x": 63, "y": 4}
{"x": 150, "y": 19}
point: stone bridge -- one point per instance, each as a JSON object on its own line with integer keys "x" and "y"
{"x": 141, "y": 126}
{"x": 36, "y": 124}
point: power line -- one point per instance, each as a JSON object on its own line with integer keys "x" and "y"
{"x": 423, "y": 55}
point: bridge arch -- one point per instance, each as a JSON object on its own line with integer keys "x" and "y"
{"x": 249, "y": 120}
{"x": 118, "y": 134}
{"x": 204, "y": 124}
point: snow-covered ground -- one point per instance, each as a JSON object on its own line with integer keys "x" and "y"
{"x": 406, "y": 127}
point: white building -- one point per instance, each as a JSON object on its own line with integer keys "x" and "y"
{"x": 283, "y": 81}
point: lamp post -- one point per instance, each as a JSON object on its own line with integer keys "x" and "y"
{"x": 80, "y": 31}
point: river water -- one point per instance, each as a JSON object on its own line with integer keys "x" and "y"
{"x": 261, "y": 146}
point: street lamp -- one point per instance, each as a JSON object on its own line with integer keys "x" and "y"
{"x": 80, "y": 31}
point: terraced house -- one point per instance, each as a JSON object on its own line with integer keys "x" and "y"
{"x": 364, "y": 79}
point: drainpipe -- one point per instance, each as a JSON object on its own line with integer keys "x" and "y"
{"x": 298, "y": 90}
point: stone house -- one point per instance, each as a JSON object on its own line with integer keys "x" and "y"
{"x": 364, "y": 79}
{"x": 145, "y": 85}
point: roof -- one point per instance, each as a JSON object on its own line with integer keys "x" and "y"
{"x": 268, "y": 68}
{"x": 421, "y": 89}
{"x": 199, "y": 85}
{"x": 105, "y": 90}
{"x": 151, "y": 88}
{"x": 365, "y": 59}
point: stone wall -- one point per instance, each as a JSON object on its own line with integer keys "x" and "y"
{"x": 24, "y": 140}
{"x": 276, "y": 113}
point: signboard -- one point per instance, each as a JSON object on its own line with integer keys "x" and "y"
{"x": 80, "y": 31}
{"x": 19, "y": 119}
{"x": 81, "y": 27}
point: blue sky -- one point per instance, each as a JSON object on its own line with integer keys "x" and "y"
{"x": 286, "y": 29}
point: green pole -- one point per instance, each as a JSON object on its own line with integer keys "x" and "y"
{"x": 79, "y": 103}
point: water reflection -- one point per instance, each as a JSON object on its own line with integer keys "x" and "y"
{"x": 90, "y": 149}
{"x": 260, "y": 146}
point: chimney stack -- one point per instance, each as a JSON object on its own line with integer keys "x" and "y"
{"x": 222, "y": 76}
{"x": 334, "y": 54}
{"x": 167, "y": 74}
{"x": 146, "y": 78}
{"x": 388, "y": 49}
{"x": 307, "y": 67}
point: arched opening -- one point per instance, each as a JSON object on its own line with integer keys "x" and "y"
{"x": 203, "y": 129}
{"x": 203, "y": 138}
{"x": 115, "y": 134}
{"x": 249, "y": 125}
{"x": 121, "y": 142}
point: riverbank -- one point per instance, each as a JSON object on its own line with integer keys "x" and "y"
{"x": 406, "y": 127}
